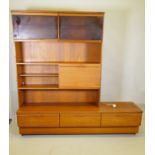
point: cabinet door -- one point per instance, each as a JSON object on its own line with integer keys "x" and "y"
{"x": 34, "y": 27}
{"x": 81, "y": 28}
{"x": 79, "y": 76}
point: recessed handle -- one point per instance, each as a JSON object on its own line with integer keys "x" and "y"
{"x": 15, "y": 35}
{"x": 18, "y": 20}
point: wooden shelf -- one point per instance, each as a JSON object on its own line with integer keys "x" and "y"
{"x": 59, "y": 40}
{"x": 39, "y": 75}
{"x": 56, "y": 13}
{"x": 29, "y": 40}
{"x": 54, "y": 86}
{"x": 60, "y": 104}
{"x": 82, "y": 41}
{"x": 27, "y": 108}
{"x": 121, "y": 107}
{"x": 54, "y": 63}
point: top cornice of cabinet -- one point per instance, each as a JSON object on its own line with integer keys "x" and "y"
{"x": 55, "y": 13}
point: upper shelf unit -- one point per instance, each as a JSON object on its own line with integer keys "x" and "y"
{"x": 58, "y": 26}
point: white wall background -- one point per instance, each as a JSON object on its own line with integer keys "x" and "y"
{"x": 123, "y": 46}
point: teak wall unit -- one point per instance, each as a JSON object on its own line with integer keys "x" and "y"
{"x": 58, "y": 59}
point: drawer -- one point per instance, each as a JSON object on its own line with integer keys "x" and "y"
{"x": 80, "y": 119}
{"x": 120, "y": 119}
{"x": 38, "y": 120}
{"x": 79, "y": 76}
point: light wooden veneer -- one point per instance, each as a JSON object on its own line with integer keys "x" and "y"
{"x": 58, "y": 63}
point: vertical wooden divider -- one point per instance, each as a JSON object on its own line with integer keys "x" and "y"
{"x": 58, "y": 27}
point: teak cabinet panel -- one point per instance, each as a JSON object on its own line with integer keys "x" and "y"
{"x": 40, "y": 80}
{"x": 38, "y": 120}
{"x": 120, "y": 119}
{"x": 79, "y": 130}
{"x": 58, "y": 61}
{"x": 35, "y": 97}
{"x": 79, "y": 76}
{"x": 58, "y": 51}
{"x": 80, "y": 119}
{"x": 37, "y": 69}
{"x": 34, "y": 27}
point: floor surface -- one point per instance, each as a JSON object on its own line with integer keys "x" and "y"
{"x": 76, "y": 144}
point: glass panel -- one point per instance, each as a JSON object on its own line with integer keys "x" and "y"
{"x": 35, "y": 27}
{"x": 81, "y": 28}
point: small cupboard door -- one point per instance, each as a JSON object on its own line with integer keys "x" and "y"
{"x": 34, "y": 27}
{"x": 79, "y": 76}
{"x": 81, "y": 27}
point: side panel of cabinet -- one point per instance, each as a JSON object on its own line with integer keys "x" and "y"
{"x": 79, "y": 76}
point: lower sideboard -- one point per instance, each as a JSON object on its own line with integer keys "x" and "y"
{"x": 113, "y": 117}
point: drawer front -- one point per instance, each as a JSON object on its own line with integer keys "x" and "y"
{"x": 80, "y": 76}
{"x": 79, "y": 120}
{"x": 121, "y": 119}
{"x": 38, "y": 120}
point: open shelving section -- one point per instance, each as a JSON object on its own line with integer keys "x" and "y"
{"x": 58, "y": 61}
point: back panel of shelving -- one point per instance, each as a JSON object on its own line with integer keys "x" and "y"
{"x": 37, "y": 97}
{"x": 50, "y": 51}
